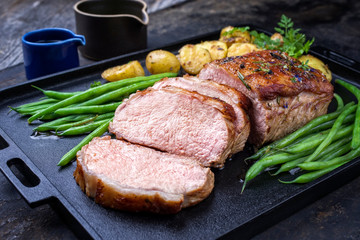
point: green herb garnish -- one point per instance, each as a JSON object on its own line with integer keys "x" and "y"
{"x": 293, "y": 79}
{"x": 231, "y": 32}
{"x": 294, "y": 43}
{"x": 263, "y": 41}
{"x": 95, "y": 84}
{"x": 242, "y": 78}
{"x": 304, "y": 65}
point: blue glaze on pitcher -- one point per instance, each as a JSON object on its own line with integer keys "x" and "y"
{"x": 50, "y": 50}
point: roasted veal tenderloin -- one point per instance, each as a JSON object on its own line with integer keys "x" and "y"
{"x": 285, "y": 94}
{"x": 129, "y": 177}
{"x": 178, "y": 121}
{"x": 236, "y": 99}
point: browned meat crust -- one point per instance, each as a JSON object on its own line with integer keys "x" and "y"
{"x": 270, "y": 74}
{"x": 284, "y": 93}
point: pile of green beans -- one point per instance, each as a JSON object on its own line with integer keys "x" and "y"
{"x": 84, "y": 112}
{"x": 324, "y": 144}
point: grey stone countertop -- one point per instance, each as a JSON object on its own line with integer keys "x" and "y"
{"x": 335, "y": 25}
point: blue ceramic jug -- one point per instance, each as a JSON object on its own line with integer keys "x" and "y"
{"x": 50, "y": 50}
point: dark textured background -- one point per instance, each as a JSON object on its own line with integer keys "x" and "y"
{"x": 334, "y": 24}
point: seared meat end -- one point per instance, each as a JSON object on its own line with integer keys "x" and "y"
{"x": 284, "y": 93}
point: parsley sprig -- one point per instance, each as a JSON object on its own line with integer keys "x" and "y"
{"x": 294, "y": 43}
{"x": 235, "y": 29}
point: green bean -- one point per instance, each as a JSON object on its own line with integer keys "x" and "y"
{"x": 31, "y": 110}
{"x": 315, "y": 141}
{"x": 356, "y": 91}
{"x": 340, "y": 102}
{"x": 309, "y": 137}
{"x": 266, "y": 162}
{"x": 64, "y": 123}
{"x": 96, "y": 118}
{"x": 297, "y": 150}
{"x": 354, "y": 153}
{"x": 306, "y": 129}
{"x": 37, "y": 103}
{"x": 77, "y": 130}
{"x": 335, "y": 153}
{"x": 332, "y": 149}
{"x": 72, "y": 153}
{"x": 94, "y": 92}
{"x": 330, "y": 154}
{"x": 329, "y": 124}
{"x": 323, "y": 126}
{"x": 49, "y": 116}
{"x": 55, "y": 94}
{"x": 67, "y": 119}
{"x": 311, "y": 176}
{"x": 105, "y": 116}
{"x": 99, "y": 109}
{"x": 64, "y": 126}
{"x": 116, "y": 94}
{"x": 287, "y": 166}
{"x": 338, "y": 123}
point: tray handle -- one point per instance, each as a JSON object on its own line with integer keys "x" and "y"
{"x": 23, "y": 174}
{"x": 337, "y": 58}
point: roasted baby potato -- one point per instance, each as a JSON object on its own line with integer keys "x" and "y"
{"x": 217, "y": 49}
{"x": 231, "y": 35}
{"x": 193, "y": 57}
{"x": 277, "y": 36}
{"x": 317, "y": 64}
{"x": 161, "y": 61}
{"x": 128, "y": 70}
{"x": 238, "y": 49}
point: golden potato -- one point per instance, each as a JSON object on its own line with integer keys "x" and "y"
{"x": 231, "y": 35}
{"x": 193, "y": 57}
{"x": 277, "y": 36}
{"x": 217, "y": 49}
{"x": 161, "y": 61}
{"x": 238, "y": 49}
{"x": 317, "y": 64}
{"x": 128, "y": 70}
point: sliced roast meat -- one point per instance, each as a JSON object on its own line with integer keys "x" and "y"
{"x": 178, "y": 121}
{"x": 236, "y": 99}
{"x": 285, "y": 93}
{"x": 125, "y": 176}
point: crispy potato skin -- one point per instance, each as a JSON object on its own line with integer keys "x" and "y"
{"x": 230, "y": 36}
{"x": 161, "y": 61}
{"x": 128, "y": 70}
{"x": 277, "y": 36}
{"x": 317, "y": 64}
{"x": 193, "y": 58}
{"x": 217, "y": 49}
{"x": 239, "y": 49}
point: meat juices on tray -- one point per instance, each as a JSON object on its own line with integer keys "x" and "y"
{"x": 285, "y": 94}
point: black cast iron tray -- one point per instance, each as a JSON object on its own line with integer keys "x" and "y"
{"x": 30, "y": 165}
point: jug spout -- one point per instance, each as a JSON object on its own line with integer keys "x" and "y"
{"x": 79, "y": 40}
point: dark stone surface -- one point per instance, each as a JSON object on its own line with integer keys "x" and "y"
{"x": 335, "y": 24}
